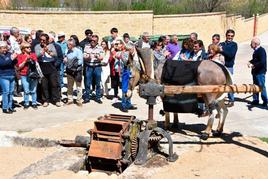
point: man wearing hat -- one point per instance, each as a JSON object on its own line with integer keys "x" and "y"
{"x": 63, "y": 44}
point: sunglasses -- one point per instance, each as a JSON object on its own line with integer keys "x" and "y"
{"x": 27, "y": 47}
{"x": 43, "y": 40}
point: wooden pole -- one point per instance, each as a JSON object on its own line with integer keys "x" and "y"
{"x": 244, "y": 88}
{"x": 255, "y": 25}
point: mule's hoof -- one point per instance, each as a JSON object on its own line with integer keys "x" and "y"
{"x": 204, "y": 136}
{"x": 217, "y": 133}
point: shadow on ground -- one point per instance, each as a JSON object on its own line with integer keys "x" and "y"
{"x": 196, "y": 129}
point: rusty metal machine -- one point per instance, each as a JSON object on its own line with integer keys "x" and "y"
{"x": 118, "y": 140}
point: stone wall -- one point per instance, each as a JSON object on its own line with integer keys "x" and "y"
{"x": 76, "y": 22}
{"x": 205, "y": 24}
{"x": 135, "y": 22}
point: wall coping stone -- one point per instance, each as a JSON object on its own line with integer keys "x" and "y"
{"x": 73, "y": 12}
{"x": 190, "y": 15}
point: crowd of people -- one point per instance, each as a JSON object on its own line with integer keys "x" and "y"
{"x": 40, "y": 61}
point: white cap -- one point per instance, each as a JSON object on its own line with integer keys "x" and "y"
{"x": 51, "y": 36}
{"x": 60, "y": 34}
{"x": 3, "y": 44}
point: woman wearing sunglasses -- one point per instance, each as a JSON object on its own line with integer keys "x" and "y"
{"x": 29, "y": 83}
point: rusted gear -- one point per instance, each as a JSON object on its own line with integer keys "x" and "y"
{"x": 155, "y": 138}
{"x": 134, "y": 147}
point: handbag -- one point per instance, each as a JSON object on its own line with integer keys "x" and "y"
{"x": 72, "y": 67}
{"x": 32, "y": 71}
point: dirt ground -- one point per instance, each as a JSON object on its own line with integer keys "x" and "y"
{"x": 244, "y": 157}
{"x": 232, "y": 156}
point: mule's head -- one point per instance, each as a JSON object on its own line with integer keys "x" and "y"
{"x": 141, "y": 67}
{"x": 147, "y": 58}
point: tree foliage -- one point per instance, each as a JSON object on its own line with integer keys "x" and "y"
{"x": 244, "y": 7}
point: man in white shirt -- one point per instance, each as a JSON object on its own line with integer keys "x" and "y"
{"x": 198, "y": 53}
{"x": 144, "y": 42}
{"x": 15, "y": 49}
{"x": 14, "y": 45}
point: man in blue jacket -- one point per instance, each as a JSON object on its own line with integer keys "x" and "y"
{"x": 258, "y": 66}
{"x": 228, "y": 50}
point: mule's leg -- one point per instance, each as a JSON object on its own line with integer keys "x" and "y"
{"x": 175, "y": 120}
{"x": 167, "y": 120}
{"x": 213, "y": 112}
{"x": 222, "y": 118}
{"x": 219, "y": 114}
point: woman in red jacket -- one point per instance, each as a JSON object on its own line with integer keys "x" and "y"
{"x": 28, "y": 60}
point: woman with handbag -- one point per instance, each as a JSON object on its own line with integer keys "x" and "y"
{"x": 7, "y": 77}
{"x": 29, "y": 75}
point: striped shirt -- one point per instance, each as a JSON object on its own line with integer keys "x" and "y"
{"x": 91, "y": 54}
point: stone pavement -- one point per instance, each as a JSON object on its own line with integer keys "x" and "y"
{"x": 241, "y": 118}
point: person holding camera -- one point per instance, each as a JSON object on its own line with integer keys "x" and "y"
{"x": 7, "y": 77}
{"x": 73, "y": 62}
{"x": 26, "y": 62}
{"x": 47, "y": 55}
{"x": 93, "y": 55}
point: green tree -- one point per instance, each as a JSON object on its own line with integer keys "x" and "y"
{"x": 43, "y": 3}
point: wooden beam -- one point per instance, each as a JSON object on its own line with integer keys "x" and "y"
{"x": 243, "y": 88}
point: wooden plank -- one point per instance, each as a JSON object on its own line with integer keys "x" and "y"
{"x": 243, "y": 88}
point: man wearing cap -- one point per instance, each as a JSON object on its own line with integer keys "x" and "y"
{"x": 63, "y": 44}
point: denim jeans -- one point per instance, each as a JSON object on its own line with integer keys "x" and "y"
{"x": 62, "y": 67}
{"x": 7, "y": 84}
{"x": 90, "y": 73}
{"x": 260, "y": 81}
{"x": 29, "y": 87}
{"x": 126, "y": 102}
{"x": 231, "y": 95}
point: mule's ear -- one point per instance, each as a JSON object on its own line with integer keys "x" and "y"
{"x": 144, "y": 53}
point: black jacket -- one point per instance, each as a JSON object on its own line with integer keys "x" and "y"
{"x": 229, "y": 52}
{"x": 83, "y": 43}
{"x": 259, "y": 60}
{"x": 60, "y": 57}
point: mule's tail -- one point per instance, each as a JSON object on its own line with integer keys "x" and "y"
{"x": 229, "y": 80}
